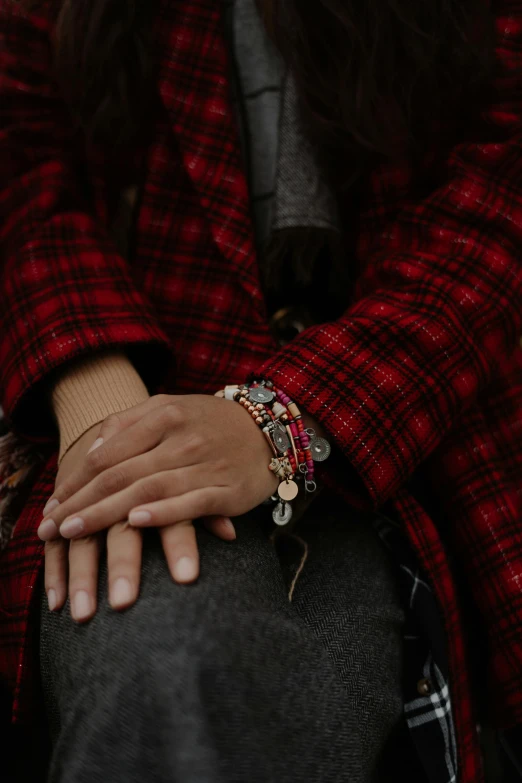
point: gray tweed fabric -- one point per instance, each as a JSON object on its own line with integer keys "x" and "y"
{"x": 287, "y": 189}
{"x": 225, "y": 681}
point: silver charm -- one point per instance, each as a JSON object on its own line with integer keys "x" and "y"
{"x": 281, "y": 439}
{"x": 260, "y": 394}
{"x": 320, "y": 449}
{"x": 282, "y": 514}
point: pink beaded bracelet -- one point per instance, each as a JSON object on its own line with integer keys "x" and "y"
{"x": 295, "y": 448}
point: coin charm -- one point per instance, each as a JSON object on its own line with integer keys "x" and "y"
{"x": 320, "y": 449}
{"x": 282, "y": 514}
{"x": 281, "y": 439}
{"x": 260, "y": 394}
{"x": 287, "y": 490}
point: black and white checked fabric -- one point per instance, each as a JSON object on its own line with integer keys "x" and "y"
{"x": 427, "y": 702}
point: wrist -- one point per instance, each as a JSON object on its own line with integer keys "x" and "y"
{"x": 295, "y": 446}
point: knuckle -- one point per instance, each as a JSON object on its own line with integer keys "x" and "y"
{"x": 163, "y": 418}
{"x": 97, "y": 460}
{"x": 172, "y": 414}
{"x": 160, "y": 399}
{"x": 112, "y": 421}
{"x": 123, "y": 566}
{"x": 55, "y": 560}
{"x": 55, "y": 548}
{"x": 123, "y": 540}
{"x": 208, "y": 503}
{"x": 87, "y": 546}
{"x": 154, "y": 421}
{"x": 151, "y": 489}
{"x": 194, "y": 445}
{"x": 64, "y": 489}
{"x": 112, "y": 481}
{"x": 220, "y": 465}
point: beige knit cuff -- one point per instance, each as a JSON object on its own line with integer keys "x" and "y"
{"x": 91, "y": 389}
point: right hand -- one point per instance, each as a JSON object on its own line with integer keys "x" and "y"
{"x": 80, "y": 558}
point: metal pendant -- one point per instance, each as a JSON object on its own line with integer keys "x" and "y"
{"x": 287, "y": 490}
{"x": 282, "y": 514}
{"x": 310, "y": 486}
{"x": 261, "y": 394}
{"x": 281, "y": 439}
{"x": 320, "y": 449}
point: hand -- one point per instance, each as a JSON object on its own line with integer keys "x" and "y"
{"x": 124, "y": 544}
{"x": 183, "y": 458}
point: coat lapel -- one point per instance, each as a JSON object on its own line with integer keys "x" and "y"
{"x": 194, "y": 88}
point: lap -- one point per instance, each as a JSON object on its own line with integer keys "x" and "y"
{"x": 235, "y": 632}
{"x": 347, "y": 584}
{"x": 238, "y": 580}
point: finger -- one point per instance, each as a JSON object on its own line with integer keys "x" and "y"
{"x": 110, "y": 427}
{"x": 53, "y": 501}
{"x": 181, "y": 551}
{"x": 84, "y": 555}
{"x": 124, "y": 547}
{"x": 115, "y": 507}
{"x": 222, "y": 527}
{"x": 121, "y": 437}
{"x": 55, "y": 579}
{"x": 102, "y": 487}
{"x": 118, "y": 477}
{"x": 191, "y": 505}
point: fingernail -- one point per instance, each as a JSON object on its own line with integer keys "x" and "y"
{"x": 51, "y": 600}
{"x": 81, "y": 605}
{"x": 229, "y": 526}
{"x": 121, "y": 592}
{"x": 73, "y": 527}
{"x": 185, "y": 570}
{"x": 97, "y": 442}
{"x": 47, "y": 530}
{"x": 139, "y": 517}
{"x": 50, "y": 505}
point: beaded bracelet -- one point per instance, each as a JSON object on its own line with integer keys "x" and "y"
{"x": 295, "y": 448}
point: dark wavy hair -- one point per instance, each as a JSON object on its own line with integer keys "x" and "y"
{"x": 379, "y": 77}
{"x": 104, "y": 64}
{"x": 374, "y": 76}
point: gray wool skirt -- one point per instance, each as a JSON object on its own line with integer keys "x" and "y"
{"x": 227, "y": 680}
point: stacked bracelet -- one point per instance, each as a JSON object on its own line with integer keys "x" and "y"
{"x": 294, "y": 447}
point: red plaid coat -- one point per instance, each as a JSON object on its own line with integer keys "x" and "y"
{"x": 422, "y": 373}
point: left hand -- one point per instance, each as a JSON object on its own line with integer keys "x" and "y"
{"x": 185, "y": 457}
{"x": 71, "y": 567}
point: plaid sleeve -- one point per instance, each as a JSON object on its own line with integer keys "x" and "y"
{"x": 439, "y": 307}
{"x": 65, "y": 291}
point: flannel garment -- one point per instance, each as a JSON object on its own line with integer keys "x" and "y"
{"x": 422, "y": 373}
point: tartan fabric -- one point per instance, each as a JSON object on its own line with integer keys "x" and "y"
{"x": 424, "y": 371}
{"x": 429, "y": 716}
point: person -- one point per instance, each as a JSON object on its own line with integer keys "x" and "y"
{"x": 246, "y": 235}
